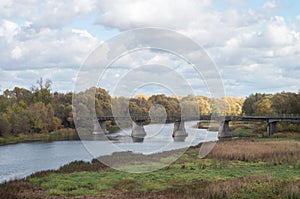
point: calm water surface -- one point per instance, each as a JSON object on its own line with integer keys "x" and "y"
{"x": 21, "y": 160}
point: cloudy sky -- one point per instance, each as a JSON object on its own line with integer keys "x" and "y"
{"x": 255, "y": 44}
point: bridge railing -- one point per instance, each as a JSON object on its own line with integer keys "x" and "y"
{"x": 175, "y": 117}
{"x": 272, "y": 115}
{"x": 136, "y": 117}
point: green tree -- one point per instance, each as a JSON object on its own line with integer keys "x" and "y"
{"x": 4, "y": 125}
{"x": 18, "y": 119}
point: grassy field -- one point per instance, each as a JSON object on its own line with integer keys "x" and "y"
{"x": 241, "y": 168}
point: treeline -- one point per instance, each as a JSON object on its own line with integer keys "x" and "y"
{"x": 35, "y": 110}
{"x": 268, "y": 104}
{"x": 39, "y": 110}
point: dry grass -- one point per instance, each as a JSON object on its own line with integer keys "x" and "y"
{"x": 250, "y": 150}
{"x": 252, "y": 187}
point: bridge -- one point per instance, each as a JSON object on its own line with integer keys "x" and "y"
{"x": 271, "y": 121}
{"x": 179, "y": 132}
{"x": 138, "y": 122}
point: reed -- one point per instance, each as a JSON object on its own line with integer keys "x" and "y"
{"x": 250, "y": 150}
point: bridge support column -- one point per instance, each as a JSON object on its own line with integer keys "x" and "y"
{"x": 179, "y": 132}
{"x": 271, "y": 129}
{"x": 138, "y": 132}
{"x": 100, "y": 127}
{"x": 224, "y": 130}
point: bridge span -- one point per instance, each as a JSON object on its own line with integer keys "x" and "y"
{"x": 179, "y": 132}
{"x": 271, "y": 121}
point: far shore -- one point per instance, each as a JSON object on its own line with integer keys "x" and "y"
{"x": 59, "y": 135}
{"x": 237, "y": 129}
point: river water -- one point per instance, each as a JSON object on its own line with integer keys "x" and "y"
{"x": 21, "y": 160}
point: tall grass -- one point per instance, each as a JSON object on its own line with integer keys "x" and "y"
{"x": 268, "y": 151}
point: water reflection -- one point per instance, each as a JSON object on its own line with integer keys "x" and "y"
{"x": 138, "y": 139}
{"x": 179, "y": 138}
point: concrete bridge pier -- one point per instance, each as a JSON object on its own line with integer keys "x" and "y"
{"x": 179, "y": 132}
{"x": 138, "y": 132}
{"x": 271, "y": 129}
{"x": 99, "y": 127}
{"x": 224, "y": 130}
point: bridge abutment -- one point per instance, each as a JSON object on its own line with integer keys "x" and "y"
{"x": 99, "y": 127}
{"x": 224, "y": 130}
{"x": 179, "y": 132}
{"x": 138, "y": 131}
{"x": 271, "y": 129}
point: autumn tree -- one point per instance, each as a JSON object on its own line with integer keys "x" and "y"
{"x": 18, "y": 119}
{"x": 248, "y": 106}
{"x": 42, "y": 117}
{"x": 42, "y": 92}
{"x": 4, "y": 125}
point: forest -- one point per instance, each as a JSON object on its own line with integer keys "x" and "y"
{"x": 40, "y": 110}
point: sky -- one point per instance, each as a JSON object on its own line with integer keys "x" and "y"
{"x": 255, "y": 44}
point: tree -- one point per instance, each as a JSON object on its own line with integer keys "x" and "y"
{"x": 42, "y": 93}
{"x": 62, "y": 107}
{"x": 102, "y": 102}
{"x": 4, "y": 125}
{"x": 248, "y": 106}
{"x": 42, "y": 117}
{"x": 204, "y": 105}
{"x": 18, "y": 119}
{"x": 263, "y": 107}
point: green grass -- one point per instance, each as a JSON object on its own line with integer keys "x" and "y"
{"x": 191, "y": 171}
{"x": 238, "y": 168}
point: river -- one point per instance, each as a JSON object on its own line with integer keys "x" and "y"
{"x": 20, "y": 160}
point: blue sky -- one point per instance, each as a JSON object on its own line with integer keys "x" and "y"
{"x": 254, "y": 44}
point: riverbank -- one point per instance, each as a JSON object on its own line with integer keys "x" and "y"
{"x": 238, "y": 129}
{"x": 59, "y": 135}
{"x": 242, "y": 168}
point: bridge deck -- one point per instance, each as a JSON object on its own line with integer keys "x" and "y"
{"x": 285, "y": 118}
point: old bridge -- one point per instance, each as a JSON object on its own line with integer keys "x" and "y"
{"x": 179, "y": 132}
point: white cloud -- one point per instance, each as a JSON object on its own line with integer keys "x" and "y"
{"x": 51, "y": 13}
{"x": 16, "y": 53}
{"x": 126, "y": 14}
{"x": 247, "y": 45}
{"x": 270, "y": 5}
{"x": 57, "y": 13}
{"x": 14, "y": 8}
{"x": 37, "y": 48}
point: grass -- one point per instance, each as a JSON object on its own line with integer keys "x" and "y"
{"x": 247, "y": 168}
{"x": 61, "y": 134}
{"x": 238, "y": 168}
{"x": 256, "y": 150}
{"x": 213, "y": 178}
